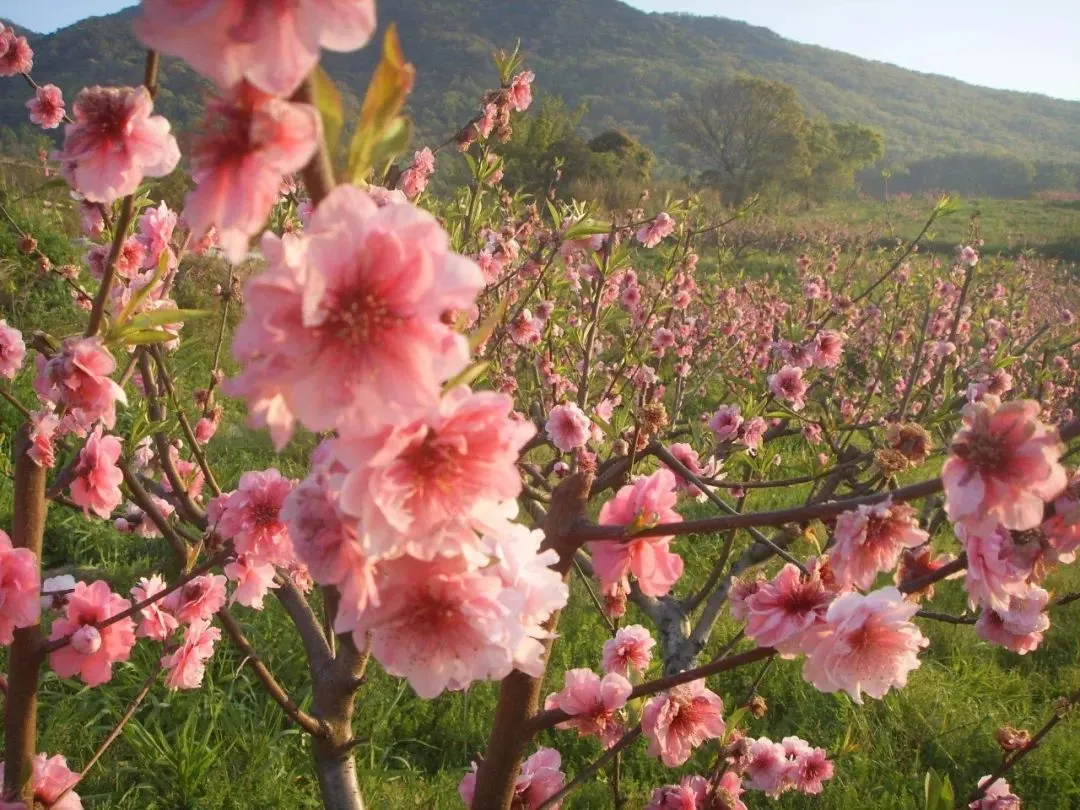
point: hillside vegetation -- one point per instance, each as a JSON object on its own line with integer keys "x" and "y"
{"x": 625, "y": 65}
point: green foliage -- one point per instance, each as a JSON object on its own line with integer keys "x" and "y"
{"x": 749, "y": 135}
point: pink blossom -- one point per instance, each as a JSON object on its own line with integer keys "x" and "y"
{"x": 788, "y": 384}
{"x": 1003, "y": 465}
{"x": 539, "y": 780}
{"x": 12, "y": 351}
{"x": 656, "y": 231}
{"x": 692, "y": 793}
{"x": 91, "y": 652}
{"x": 682, "y": 719}
{"x": 114, "y": 142}
{"x": 593, "y": 704}
{"x": 688, "y": 457}
{"x": 439, "y": 623}
{"x": 995, "y": 572}
{"x": 414, "y": 179}
{"x": 16, "y": 56}
{"x": 520, "y": 90}
{"x": 809, "y": 767}
{"x": 272, "y": 45}
{"x": 867, "y": 645}
{"x": 155, "y": 622}
{"x": 768, "y": 768}
{"x": 412, "y": 487}
{"x": 631, "y": 649}
{"x": 47, "y": 106}
{"x": 328, "y": 543}
{"x": 725, "y": 423}
{"x": 207, "y": 426}
{"x": 253, "y": 579}
{"x": 200, "y": 598}
{"x": 77, "y": 379}
{"x": 871, "y": 539}
{"x": 568, "y": 427}
{"x": 251, "y": 516}
{"x": 20, "y": 582}
{"x": 1063, "y": 529}
{"x": 50, "y": 778}
{"x": 532, "y": 589}
{"x": 248, "y": 143}
{"x": 354, "y": 319}
{"x": 739, "y": 593}
{"x": 828, "y": 348}
{"x": 96, "y": 486}
{"x": 784, "y": 613}
{"x": 647, "y": 502}
{"x": 1021, "y": 627}
{"x": 156, "y": 227}
{"x": 998, "y": 796}
{"x": 969, "y": 256}
{"x": 753, "y": 433}
{"x": 91, "y": 219}
{"x": 187, "y": 664}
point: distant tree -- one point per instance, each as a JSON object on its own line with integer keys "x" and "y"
{"x": 747, "y": 133}
{"x": 529, "y": 158}
{"x": 835, "y": 153}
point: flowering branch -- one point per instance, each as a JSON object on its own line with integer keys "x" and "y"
{"x": 1060, "y": 713}
{"x": 552, "y": 717}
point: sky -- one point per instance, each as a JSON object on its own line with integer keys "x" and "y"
{"x": 1026, "y": 45}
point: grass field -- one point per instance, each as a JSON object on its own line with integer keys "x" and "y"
{"x": 228, "y": 746}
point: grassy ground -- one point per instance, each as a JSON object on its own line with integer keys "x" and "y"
{"x": 227, "y": 746}
{"x": 1008, "y": 226}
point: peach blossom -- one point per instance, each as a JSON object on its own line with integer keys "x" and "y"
{"x": 97, "y": 478}
{"x": 868, "y": 645}
{"x": 115, "y": 142}
{"x": 1003, "y": 465}
{"x": 91, "y": 652}
{"x": 593, "y": 704}
{"x": 20, "y": 581}
{"x": 870, "y": 540}
{"x": 680, "y": 720}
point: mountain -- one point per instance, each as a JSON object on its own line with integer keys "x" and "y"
{"x": 625, "y": 65}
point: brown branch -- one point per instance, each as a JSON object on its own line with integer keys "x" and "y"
{"x": 273, "y": 688}
{"x": 143, "y": 501}
{"x": 588, "y": 773}
{"x": 1008, "y": 764}
{"x": 125, "y": 718}
{"x": 185, "y": 425}
{"x": 319, "y": 173}
{"x": 781, "y": 517}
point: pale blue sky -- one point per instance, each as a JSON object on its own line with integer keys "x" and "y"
{"x": 1015, "y": 44}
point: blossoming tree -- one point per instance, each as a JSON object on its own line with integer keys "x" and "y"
{"x": 479, "y": 377}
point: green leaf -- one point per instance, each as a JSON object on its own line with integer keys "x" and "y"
{"x": 468, "y": 376}
{"x": 395, "y": 140}
{"x": 328, "y": 101}
{"x": 390, "y": 86}
{"x": 165, "y": 317}
{"x": 588, "y": 227}
{"x": 487, "y": 328}
{"x": 142, "y": 337}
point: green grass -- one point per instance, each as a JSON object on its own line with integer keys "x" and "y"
{"x": 228, "y": 746}
{"x": 1008, "y": 226}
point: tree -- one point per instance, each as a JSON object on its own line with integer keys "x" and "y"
{"x": 835, "y": 152}
{"x": 748, "y": 133}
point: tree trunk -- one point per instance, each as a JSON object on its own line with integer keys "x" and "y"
{"x": 519, "y": 694}
{"x": 20, "y": 707}
{"x": 336, "y": 771}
